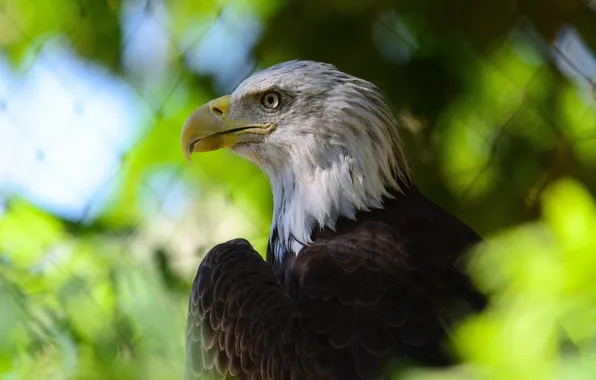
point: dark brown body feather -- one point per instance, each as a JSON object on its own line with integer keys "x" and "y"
{"x": 374, "y": 291}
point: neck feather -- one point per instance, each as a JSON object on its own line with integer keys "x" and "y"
{"x": 313, "y": 186}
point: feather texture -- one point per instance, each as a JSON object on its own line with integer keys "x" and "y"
{"x": 373, "y": 291}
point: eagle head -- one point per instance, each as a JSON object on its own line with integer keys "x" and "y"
{"x": 327, "y": 141}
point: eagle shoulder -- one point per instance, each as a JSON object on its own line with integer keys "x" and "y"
{"x": 374, "y": 295}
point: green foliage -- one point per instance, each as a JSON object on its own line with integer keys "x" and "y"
{"x": 491, "y": 123}
{"x": 91, "y": 26}
{"x": 541, "y": 322}
{"x": 83, "y": 310}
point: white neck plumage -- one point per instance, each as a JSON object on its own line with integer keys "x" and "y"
{"x": 314, "y": 184}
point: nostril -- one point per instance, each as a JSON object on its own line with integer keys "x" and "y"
{"x": 217, "y": 111}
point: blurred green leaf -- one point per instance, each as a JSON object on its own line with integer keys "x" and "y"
{"x": 27, "y": 233}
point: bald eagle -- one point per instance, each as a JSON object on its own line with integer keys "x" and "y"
{"x": 361, "y": 270}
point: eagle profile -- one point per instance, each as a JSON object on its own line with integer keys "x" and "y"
{"x": 361, "y": 269}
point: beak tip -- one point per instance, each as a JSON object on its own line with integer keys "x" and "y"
{"x": 187, "y": 152}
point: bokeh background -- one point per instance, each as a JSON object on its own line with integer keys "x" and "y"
{"x": 103, "y": 223}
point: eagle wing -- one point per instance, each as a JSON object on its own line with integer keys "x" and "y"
{"x": 375, "y": 295}
{"x": 241, "y": 322}
{"x": 347, "y": 305}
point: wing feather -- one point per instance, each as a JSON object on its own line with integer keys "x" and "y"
{"x": 357, "y": 301}
{"x": 374, "y": 296}
{"x": 242, "y": 323}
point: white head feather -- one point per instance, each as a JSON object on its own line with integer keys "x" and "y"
{"x": 335, "y": 150}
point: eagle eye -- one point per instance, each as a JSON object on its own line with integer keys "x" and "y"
{"x": 271, "y": 100}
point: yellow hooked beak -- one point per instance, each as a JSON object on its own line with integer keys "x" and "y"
{"x": 208, "y": 128}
